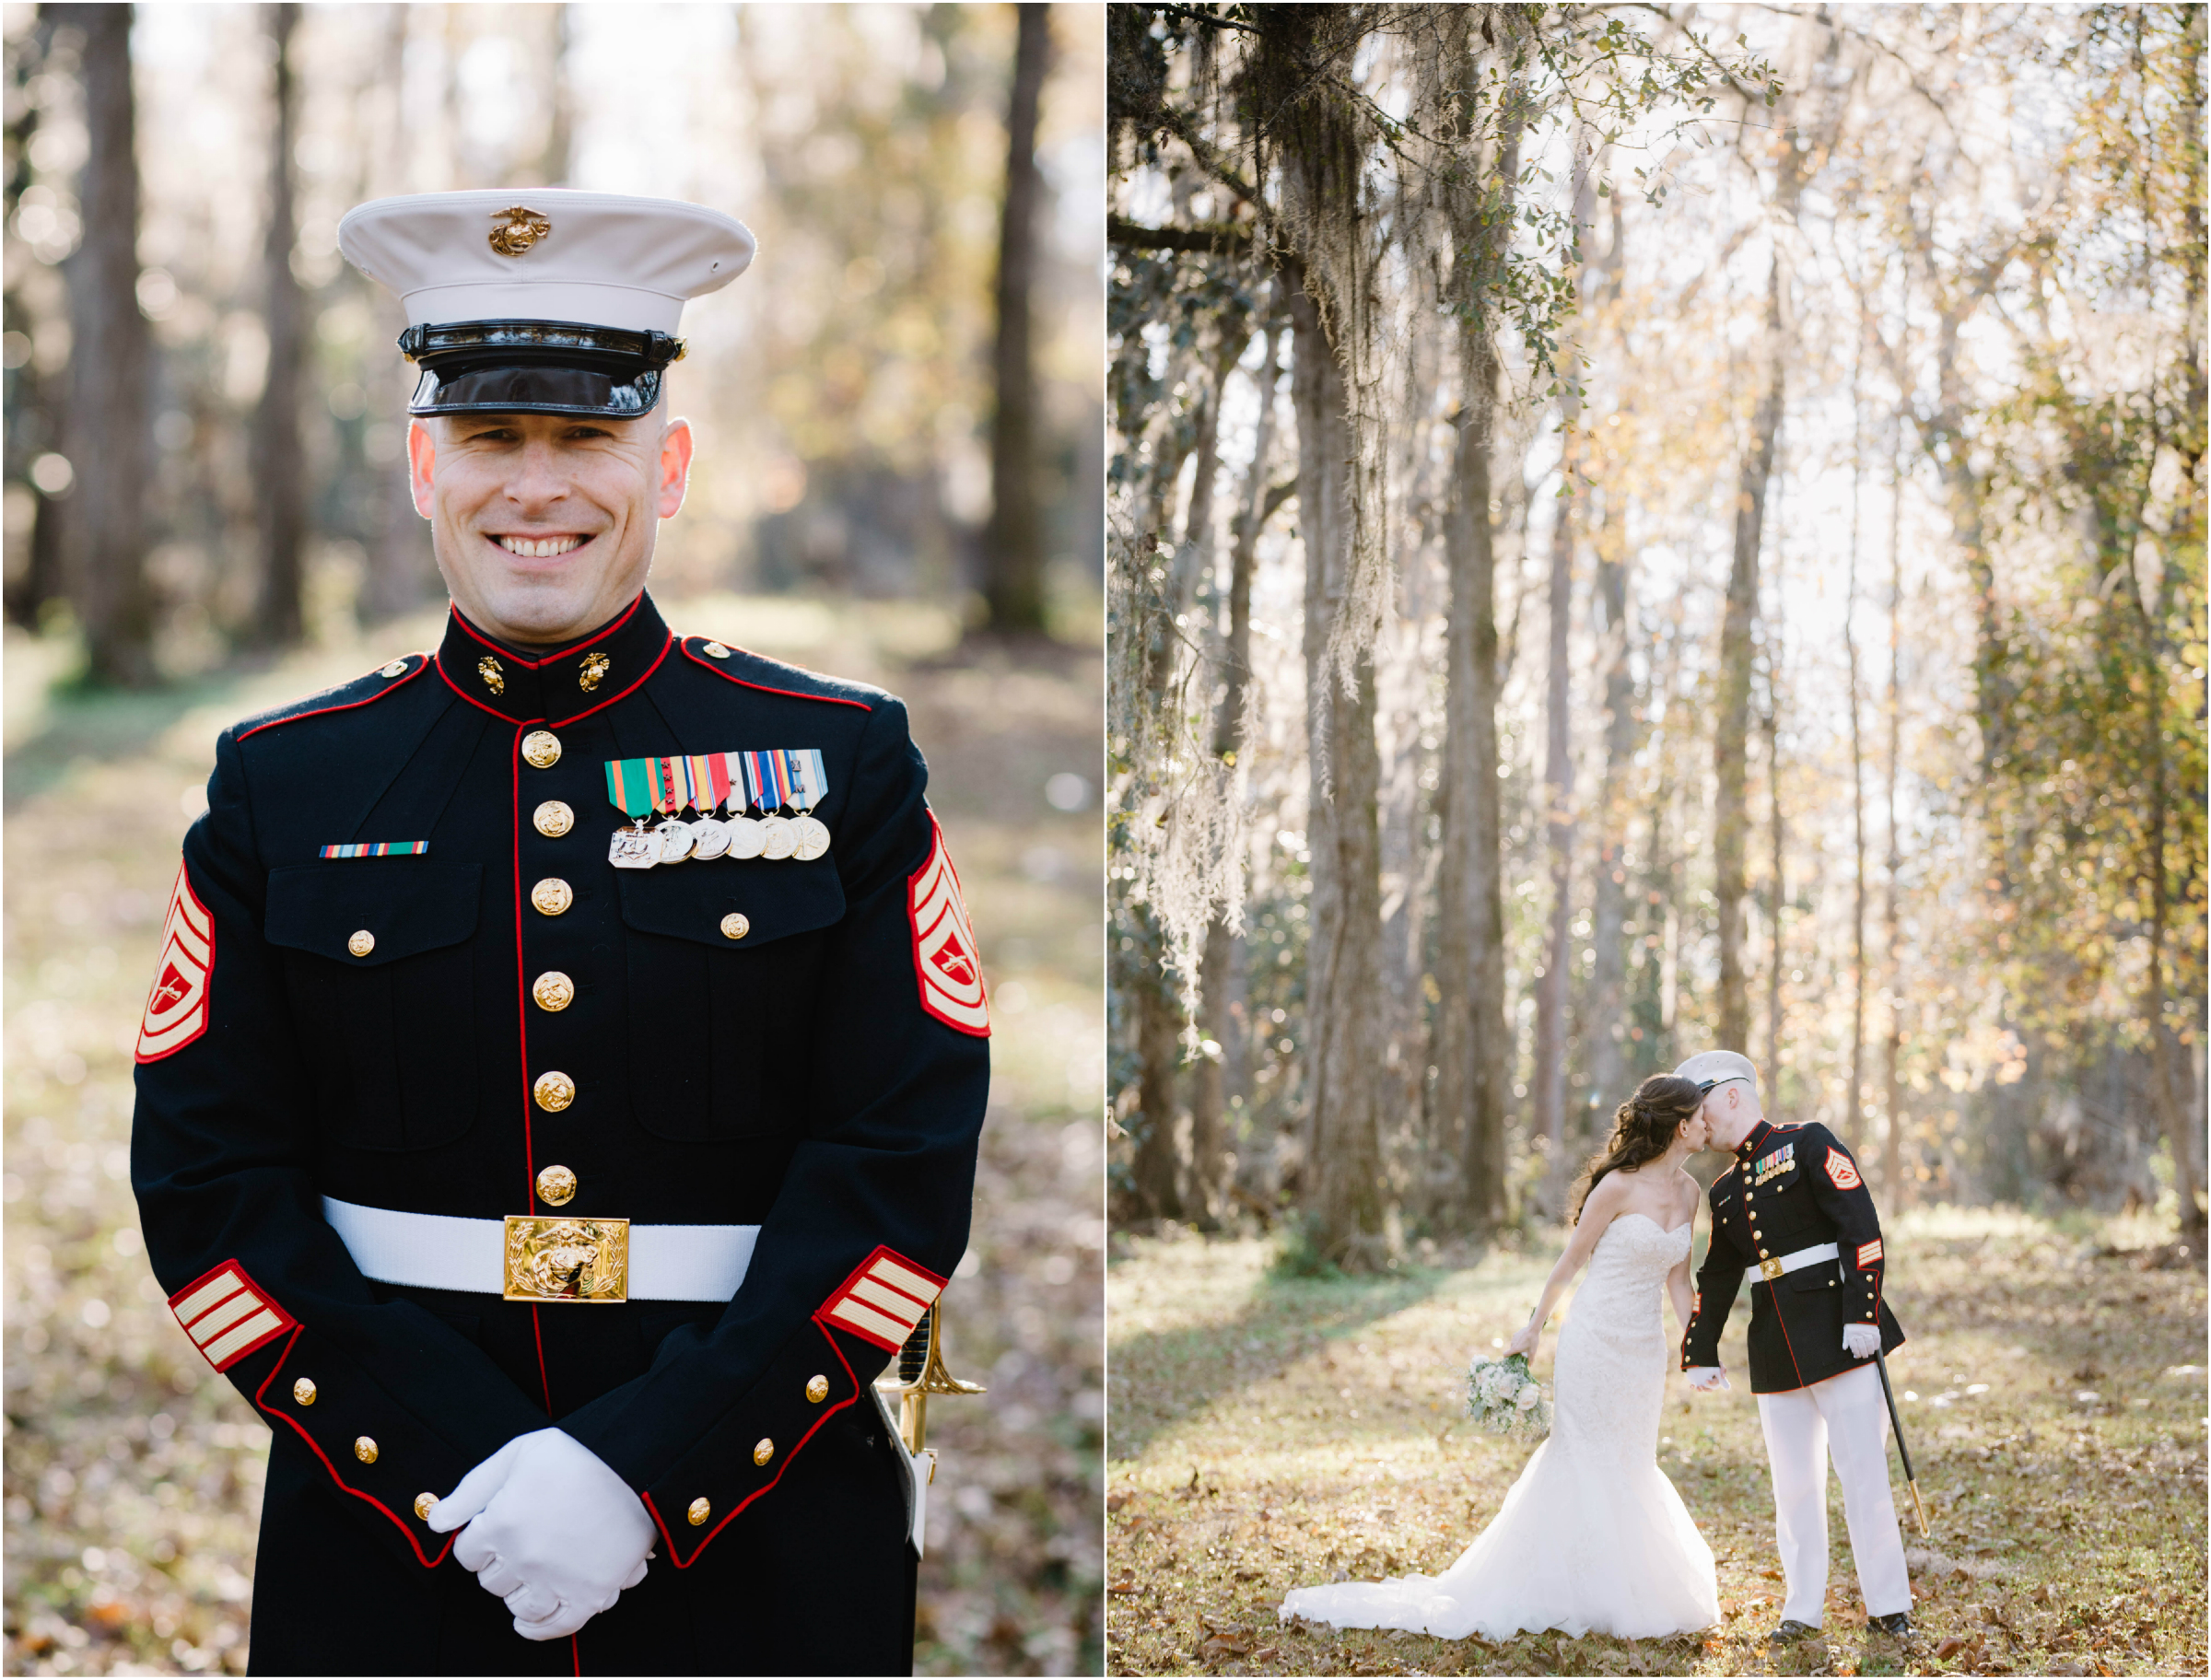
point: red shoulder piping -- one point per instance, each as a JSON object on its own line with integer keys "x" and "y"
{"x": 395, "y": 686}
{"x": 731, "y": 676}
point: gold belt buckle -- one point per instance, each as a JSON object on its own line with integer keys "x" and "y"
{"x": 1768, "y": 1269}
{"x": 562, "y": 1259}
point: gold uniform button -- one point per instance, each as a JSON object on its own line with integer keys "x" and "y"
{"x": 715, "y": 650}
{"x": 364, "y": 1448}
{"x": 540, "y": 749}
{"x": 556, "y": 1186}
{"x": 398, "y": 668}
{"x": 552, "y": 819}
{"x": 700, "y": 1510}
{"x": 763, "y": 1451}
{"x": 551, "y": 896}
{"x": 553, "y": 1091}
{"x": 303, "y": 1391}
{"x": 817, "y": 1389}
{"x": 553, "y": 990}
{"x": 425, "y": 1503}
{"x": 735, "y": 927}
{"x": 362, "y": 943}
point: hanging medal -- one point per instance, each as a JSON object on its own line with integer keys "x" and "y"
{"x": 768, "y": 781}
{"x": 746, "y": 837}
{"x": 709, "y": 788}
{"x": 671, "y": 780}
{"x": 629, "y": 784}
{"x": 810, "y": 786}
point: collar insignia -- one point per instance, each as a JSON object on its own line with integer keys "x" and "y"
{"x": 494, "y": 677}
{"x": 595, "y": 667}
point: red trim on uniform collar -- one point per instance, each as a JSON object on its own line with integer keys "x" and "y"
{"x": 565, "y": 685}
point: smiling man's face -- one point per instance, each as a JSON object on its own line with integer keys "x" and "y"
{"x": 544, "y": 524}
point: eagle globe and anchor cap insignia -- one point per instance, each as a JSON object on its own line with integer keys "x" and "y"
{"x": 945, "y": 960}
{"x": 176, "y": 1009}
{"x": 518, "y": 228}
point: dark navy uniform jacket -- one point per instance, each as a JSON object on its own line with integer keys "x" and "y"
{"x": 1791, "y": 1187}
{"x": 813, "y": 1077}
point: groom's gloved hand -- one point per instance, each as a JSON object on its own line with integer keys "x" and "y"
{"x": 1861, "y": 1341}
{"x": 551, "y": 1529}
{"x": 1708, "y": 1377}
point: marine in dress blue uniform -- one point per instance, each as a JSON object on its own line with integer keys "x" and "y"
{"x": 449, "y": 1133}
{"x": 1792, "y": 1210}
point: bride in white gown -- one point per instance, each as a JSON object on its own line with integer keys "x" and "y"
{"x": 1593, "y": 1538}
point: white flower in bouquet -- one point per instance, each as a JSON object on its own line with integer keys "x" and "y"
{"x": 1503, "y": 1399}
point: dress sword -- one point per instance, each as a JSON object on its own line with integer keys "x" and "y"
{"x": 1896, "y": 1424}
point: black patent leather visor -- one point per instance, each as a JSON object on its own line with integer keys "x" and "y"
{"x": 537, "y": 367}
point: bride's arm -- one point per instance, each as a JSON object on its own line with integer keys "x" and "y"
{"x": 1598, "y": 1212}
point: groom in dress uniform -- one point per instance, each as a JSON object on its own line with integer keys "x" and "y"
{"x": 1792, "y": 1209}
{"x": 553, "y": 1205}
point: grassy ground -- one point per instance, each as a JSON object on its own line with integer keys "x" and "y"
{"x": 1268, "y": 1432}
{"x": 133, "y": 1475}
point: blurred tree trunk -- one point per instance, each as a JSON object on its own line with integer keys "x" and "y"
{"x": 1731, "y": 732}
{"x": 279, "y": 459}
{"x": 1013, "y": 542}
{"x": 1343, "y": 985}
{"x": 1607, "y": 1019}
{"x": 1777, "y": 886}
{"x": 33, "y": 399}
{"x": 1853, "y": 1110}
{"x": 1551, "y": 993}
{"x": 109, "y": 408}
{"x": 1472, "y": 1049}
{"x": 1606, "y": 1016}
{"x": 558, "y": 161}
{"x": 1157, "y": 1168}
{"x": 401, "y": 573}
{"x": 1220, "y": 966}
{"x": 1896, "y": 1176}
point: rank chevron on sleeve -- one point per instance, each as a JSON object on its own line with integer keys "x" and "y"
{"x": 883, "y": 1299}
{"x": 176, "y": 1009}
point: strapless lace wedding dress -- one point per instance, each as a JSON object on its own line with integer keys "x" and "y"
{"x": 1593, "y": 1538}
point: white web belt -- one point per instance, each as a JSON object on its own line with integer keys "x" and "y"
{"x": 1770, "y": 1269}
{"x": 436, "y": 1251}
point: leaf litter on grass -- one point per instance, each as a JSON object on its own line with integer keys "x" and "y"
{"x": 1270, "y": 1432}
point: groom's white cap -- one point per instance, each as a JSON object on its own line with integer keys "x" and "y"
{"x": 1710, "y": 1067}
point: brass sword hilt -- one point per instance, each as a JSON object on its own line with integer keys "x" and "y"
{"x": 921, "y": 1372}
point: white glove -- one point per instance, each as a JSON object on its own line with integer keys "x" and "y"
{"x": 551, "y": 1530}
{"x": 1861, "y": 1341}
{"x": 1708, "y": 1377}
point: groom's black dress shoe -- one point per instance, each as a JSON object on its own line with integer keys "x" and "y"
{"x": 1789, "y": 1632}
{"x": 1897, "y": 1627}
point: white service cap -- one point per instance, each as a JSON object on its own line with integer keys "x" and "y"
{"x": 1710, "y": 1067}
{"x": 545, "y": 254}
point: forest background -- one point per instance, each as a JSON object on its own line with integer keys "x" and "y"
{"x": 1634, "y": 530}
{"x": 901, "y": 462}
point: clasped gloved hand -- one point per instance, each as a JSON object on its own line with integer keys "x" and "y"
{"x": 550, "y": 1529}
{"x": 1708, "y": 1377}
{"x": 1861, "y": 1341}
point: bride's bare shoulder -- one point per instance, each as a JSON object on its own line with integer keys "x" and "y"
{"x": 1686, "y": 1186}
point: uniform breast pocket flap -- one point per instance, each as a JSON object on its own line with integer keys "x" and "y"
{"x": 378, "y": 959}
{"x": 720, "y": 965}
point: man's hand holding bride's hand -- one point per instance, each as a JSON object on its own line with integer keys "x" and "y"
{"x": 1525, "y": 1342}
{"x": 1708, "y": 1377}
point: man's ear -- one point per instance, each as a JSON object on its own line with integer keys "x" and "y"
{"x": 421, "y": 465}
{"x": 676, "y": 444}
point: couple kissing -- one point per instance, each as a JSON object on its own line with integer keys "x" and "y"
{"x": 1593, "y": 1538}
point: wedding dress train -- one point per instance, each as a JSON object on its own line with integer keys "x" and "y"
{"x": 1593, "y": 1538}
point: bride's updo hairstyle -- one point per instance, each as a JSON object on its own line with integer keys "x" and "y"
{"x": 1644, "y": 1127}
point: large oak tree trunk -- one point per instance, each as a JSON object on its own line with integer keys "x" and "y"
{"x": 110, "y": 422}
{"x": 1013, "y": 544}
{"x": 279, "y": 459}
{"x": 1345, "y": 1024}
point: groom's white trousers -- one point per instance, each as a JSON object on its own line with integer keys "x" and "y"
{"x": 1844, "y": 1417}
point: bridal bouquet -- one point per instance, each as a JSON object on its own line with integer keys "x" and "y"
{"x": 1503, "y": 1399}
